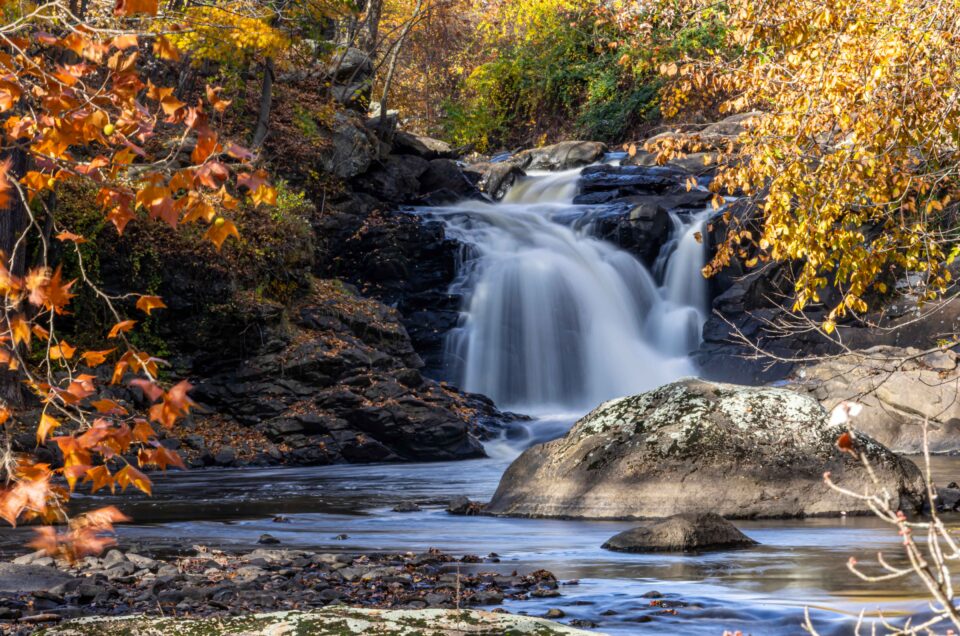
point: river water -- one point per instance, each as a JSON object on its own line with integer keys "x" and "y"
{"x": 554, "y": 322}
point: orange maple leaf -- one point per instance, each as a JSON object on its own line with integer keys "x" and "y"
{"x": 121, "y": 327}
{"x": 130, "y": 476}
{"x": 219, "y": 230}
{"x": 147, "y": 304}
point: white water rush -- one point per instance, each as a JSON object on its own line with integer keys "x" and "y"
{"x": 554, "y": 319}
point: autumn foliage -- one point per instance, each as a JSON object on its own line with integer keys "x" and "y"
{"x": 854, "y": 155}
{"x": 77, "y": 103}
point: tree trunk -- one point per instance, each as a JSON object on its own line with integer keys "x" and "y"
{"x": 395, "y": 55}
{"x": 14, "y": 219}
{"x": 371, "y": 28}
{"x": 266, "y": 101}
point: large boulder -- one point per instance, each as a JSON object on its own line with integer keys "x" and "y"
{"x": 561, "y": 156}
{"x": 407, "y": 143}
{"x": 695, "y": 446}
{"x": 900, "y": 389}
{"x": 352, "y": 148}
{"x": 680, "y": 533}
{"x": 395, "y": 179}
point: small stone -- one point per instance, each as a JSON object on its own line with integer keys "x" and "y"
{"x": 341, "y": 537}
{"x": 268, "y": 539}
{"x": 407, "y": 506}
{"x": 553, "y": 613}
{"x": 463, "y": 506}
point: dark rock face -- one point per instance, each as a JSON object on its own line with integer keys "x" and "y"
{"x": 627, "y": 181}
{"x": 681, "y": 533}
{"x": 394, "y": 179}
{"x": 695, "y": 446}
{"x": 344, "y": 386}
{"x": 641, "y": 230}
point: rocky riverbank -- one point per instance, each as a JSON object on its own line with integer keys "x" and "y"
{"x": 35, "y": 591}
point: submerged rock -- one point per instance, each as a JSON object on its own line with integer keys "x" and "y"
{"x": 695, "y": 446}
{"x": 680, "y": 533}
{"x": 330, "y": 621}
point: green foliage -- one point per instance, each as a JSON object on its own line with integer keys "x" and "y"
{"x": 568, "y": 68}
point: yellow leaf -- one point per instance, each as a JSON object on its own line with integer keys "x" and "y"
{"x": 46, "y": 425}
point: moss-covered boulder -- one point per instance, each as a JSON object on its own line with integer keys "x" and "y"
{"x": 696, "y": 446}
{"x": 331, "y": 621}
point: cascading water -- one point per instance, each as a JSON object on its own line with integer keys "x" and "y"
{"x": 556, "y": 320}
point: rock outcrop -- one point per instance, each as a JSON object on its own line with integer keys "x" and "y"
{"x": 696, "y": 446}
{"x": 900, "y": 389}
{"x": 689, "y": 532}
{"x": 342, "y": 383}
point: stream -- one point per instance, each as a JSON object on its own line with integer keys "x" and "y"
{"x": 553, "y": 323}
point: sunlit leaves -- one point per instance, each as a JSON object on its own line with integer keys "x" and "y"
{"x": 854, "y": 160}
{"x": 219, "y": 230}
{"x": 130, "y": 476}
{"x": 147, "y": 304}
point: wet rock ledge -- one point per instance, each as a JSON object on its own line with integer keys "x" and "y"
{"x": 212, "y": 584}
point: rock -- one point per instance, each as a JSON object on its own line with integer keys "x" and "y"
{"x": 494, "y": 179}
{"x": 463, "y": 506}
{"x": 268, "y": 539}
{"x": 626, "y": 181}
{"x": 687, "y": 532}
{"x": 553, "y": 612}
{"x": 407, "y": 506}
{"x": 561, "y": 156}
{"x": 406, "y": 143}
{"x": 641, "y": 230}
{"x": 349, "y": 64}
{"x": 329, "y": 621}
{"x": 899, "y": 389}
{"x": 696, "y": 446}
{"x": 351, "y": 148}
{"x": 394, "y": 179}
{"x": 446, "y": 176}
{"x": 225, "y": 456}
{"x": 732, "y": 125}
{"x": 30, "y": 578}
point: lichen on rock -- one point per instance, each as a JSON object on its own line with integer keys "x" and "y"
{"x": 696, "y": 446}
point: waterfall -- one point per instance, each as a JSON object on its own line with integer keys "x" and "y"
{"x": 554, "y": 319}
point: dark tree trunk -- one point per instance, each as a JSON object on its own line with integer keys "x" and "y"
{"x": 14, "y": 219}
{"x": 266, "y": 102}
{"x": 368, "y": 39}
